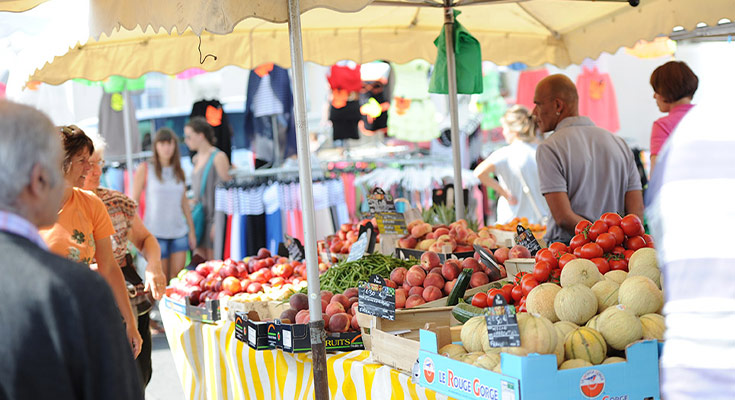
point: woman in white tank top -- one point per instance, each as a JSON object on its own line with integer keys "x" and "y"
{"x": 167, "y": 212}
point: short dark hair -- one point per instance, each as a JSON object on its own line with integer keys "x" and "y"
{"x": 200, "y": 125}
{"x": 74, "y": 140}
{"x": 674, "y": 81}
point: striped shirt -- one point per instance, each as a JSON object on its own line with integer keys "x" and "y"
{"x": 15, "y": 224}
{"x": 690, "y": 209}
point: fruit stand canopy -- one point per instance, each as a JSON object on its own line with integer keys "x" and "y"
{"x": 19, "y": 5}
{"x": 560, "y": 32}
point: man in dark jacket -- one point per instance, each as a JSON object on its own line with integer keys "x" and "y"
{"x": 61, "y": 334}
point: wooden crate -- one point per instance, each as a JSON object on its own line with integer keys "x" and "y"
{"x": 516, "y": 265}
{"x": 265, "y": 309}
{"x": 470, "y": 292}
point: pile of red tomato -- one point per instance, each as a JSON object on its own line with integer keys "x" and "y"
{"x": 608, "y": 242}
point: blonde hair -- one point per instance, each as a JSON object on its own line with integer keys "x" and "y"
{"x": 518, "y": 119}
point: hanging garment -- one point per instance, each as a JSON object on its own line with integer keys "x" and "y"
{"x": 412, "y": 117}
{"x": 597, "y": 99}
{"x": 217, "y": 118}
{"x": 345, "y": 120}
{"x": 264, "y": 146}
{"x": 281, "y": 86}
{"x": 255, "y": 227}
{"x": 490, "y": 103}
{"x": 273, "y": 227}
{"x": 112, "y": 128}
{"x": 374, "y": 105}
{"x": 345, "y": 77}
{"x": 468, "y": 58}
{"x": 527, "y": 86}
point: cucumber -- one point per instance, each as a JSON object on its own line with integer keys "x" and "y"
{"x": 462, "y": 312}
{"x": 463, "y": 282}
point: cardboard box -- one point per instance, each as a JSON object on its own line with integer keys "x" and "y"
{"x": 210, "y": 313}
{"x": 295, "y": 338}
{"x": 503, "y": 238}
{"x": 516, "y": 265}
{"x": 536, "y": 377}
{"x": 255, "y": 324}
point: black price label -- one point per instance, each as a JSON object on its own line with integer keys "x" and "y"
{"x": 383, "y": 209}
{"x": 487, "y": 259}
{"x": 526, "y": 239}
{"x": 375, "y": 298}
{"x": 502, "y": 324}
{"x": 295, "y": 248}
{"x": 365, "y": 243}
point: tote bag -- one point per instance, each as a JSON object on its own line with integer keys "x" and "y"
{"x": 197, "y": 213}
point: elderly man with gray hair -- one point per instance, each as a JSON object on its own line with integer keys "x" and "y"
{"x": 61, "y": 335}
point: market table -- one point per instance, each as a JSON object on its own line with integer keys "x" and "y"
{"x": 212, "y": 364}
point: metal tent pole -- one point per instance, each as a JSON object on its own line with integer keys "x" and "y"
{"x": 128, "y": 140}
{"x": 453, "y": 110}
{"x": 316, "y": 324}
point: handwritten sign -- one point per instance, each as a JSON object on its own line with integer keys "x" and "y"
{"x": 295, "y": 248}
{"x": 502, "y": 324}
{"x": 390, "y": 222}
{"x": 526, "y": 239}
{"x": 375, "y": 298}
{"x": 365, "y": 243}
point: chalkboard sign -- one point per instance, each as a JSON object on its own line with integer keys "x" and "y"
{"x": 295, "y": 248}
{"x": 488, "y": 260}
{"x": 502, "y": 324}
{"x": 365, "y": 243}
{"x": 526, "y": 239}
{"x": 374, "y": 298}
{"x": 390, "y": 222}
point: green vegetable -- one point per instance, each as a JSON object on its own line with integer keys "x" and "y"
{"x": 462, "y": 312}
{"x": 463, "y": 281}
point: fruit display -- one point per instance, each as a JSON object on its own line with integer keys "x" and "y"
{"x": 348, "y": 274}
{"x": 259, "y": 278}
{"x": 537, "y": 229}
{"x": 338, "y": 310}
{"x": 456, "y": 237}
{"x": 340, "y": 244}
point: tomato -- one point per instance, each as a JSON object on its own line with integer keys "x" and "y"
{"x": 519, "y": 277}
{"x": 618, "y": 233}
{"x": 619, "y": 265}
{"x": 558, "y": 248}
{"x": 555, "y": 275}
{"x": 632, "y": 225}
{"x": 541, "y": 271}
{"x": 508, "y": 292}
{"x": 597, "y": 229}
{"x": 565, "y": 259}
{"x": 548, "y": 256}
{"x": 581, "y": 226}
{"x": 628, "y": 254}
{"x": 592, "y": 250}
{"x": 648, "y": 238}
{"x": 521, "y": 308}
{"x": 578, "y": 252}
{"x": 635, "y": 243}
{"x": 611, "y": 219}
{"x": 479, "y": 300}
{"x": 528, "y": 285}
{"x": 602, "y": 265}
{"x": 578, "y": 240}
{"x": 491, "y": 296}
{"x": 606, "y": 241}
{"x": 619, "y": 250}
{"x": 517, "y": 293}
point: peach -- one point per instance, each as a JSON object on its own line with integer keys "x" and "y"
{"x": 400, "y": 298}
{"x": 325, "y": 303}
{"x": 302, "y": 317}
{"x": 353, "y": 309}
{"x": 414, "y": 300}
{"x": 353, "y": 300}
{"x": 398, "y": 275}
{"x": 436, "y": 270}
{"x": 288, "y": 315}
{"x": 448, "y": 286}
{"x": 350, "y": 292}
{"x": 416, "y": 290}
{"x": 334, "y": 308}
{"x": 406, "y": 286}
{"x": 479, "y": 279}
{"x": 353, "y": 323}
{"x": 431, "y": 293}
{"x": 340, "y": 322}
{"x": 459, "y": 222}
{"x": 420, "y": 230}
{"x": 425, "y": 244}
{"x": 435, "y": 280}
{"x": 326, "y": 318}
{"x": 390, "y": 283}
{"x": 485, "y": 242}
{"x": 415, "y": 276}
{"x": 430, "y": 235}
{"x": 471, "y": 263}
{"x": 450, "y": 271}
{"x": 440, "y": 232}
{"x": 501, "y": 255}
{"x": 519, "y": 251}
{"x": 413, "y": 223}
{"x": 342, "y": 299}
{"x": 299, "y": 301}
{"x": 327, "y": 295}
{"x": 430, "y": 260}
{"x": 407, "y": 242}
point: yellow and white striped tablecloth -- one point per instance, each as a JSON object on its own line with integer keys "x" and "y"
{"x": 212, "y": 364}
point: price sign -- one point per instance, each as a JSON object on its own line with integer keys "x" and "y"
{"x": 365, "y": 243}
{"x": 295, "y": 248}
{"x": 374, "y": 298}
{"x": 390, "y": 222}
{"x": 502, "y": 324}
{"x": 526, "y": 239}
{"x": 488, "y": 260}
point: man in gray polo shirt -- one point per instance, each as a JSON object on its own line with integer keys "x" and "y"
{"x": 585, "y": 171}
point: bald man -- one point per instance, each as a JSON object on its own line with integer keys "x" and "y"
{"x": 585, "y": 171}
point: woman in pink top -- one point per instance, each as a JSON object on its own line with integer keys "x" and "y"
{"x": 674, "y": 85}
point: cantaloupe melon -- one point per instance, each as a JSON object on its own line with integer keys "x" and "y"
{"x": 592, "y": 323}
{"x": 576, "y": 363}
{"x": 541, "y": 301}
{"x": 580, "y": 270}
{"x": 607, "y": 294}
{"x": 564, "y": 327}
{"x": 576, "y": 303}
{"x": 648, "y": 271}
{"x": 619, "y": 326}
{"x": 617, "y": 276}
{"x": 474, "y": 334}
{"x": 653, "y": 325}
{"x": 613, "y": 360}
{"x": 452, "y": 351}
{"x": 640, "y": 295}
{"x": 487, "y": 361}
{"x": 470, "y": 358}
{"x": 559, "y": 351}
{"x": 645, "y": 256}
{"x": 538, "y": 335}
{"x": 586, "y": 344}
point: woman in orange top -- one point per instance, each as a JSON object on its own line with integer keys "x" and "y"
{"x": 82, "y": 232}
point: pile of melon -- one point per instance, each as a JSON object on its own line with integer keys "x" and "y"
{"x": 589, "y": 320}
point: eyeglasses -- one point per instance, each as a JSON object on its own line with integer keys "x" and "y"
{"x": 100, "y": 163}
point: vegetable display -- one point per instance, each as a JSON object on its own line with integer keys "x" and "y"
{"x": 348, "y": 274}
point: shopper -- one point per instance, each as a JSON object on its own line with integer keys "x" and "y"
{"x": 515, "y": 167}
{"x": 211, "y": 166}
{"x": 129, "y": 227}
{"x": 83, "y": 230}
{"x": 584, "y": 170}
{"x": 691, "y": 191}
{"x": 167, "y": 214}
{"x": 674, "y": 85}
{"x": 61, "y": 335}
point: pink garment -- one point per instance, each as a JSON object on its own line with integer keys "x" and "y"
{"x": 479, "y": 213}
{"x": 348, "y": 180}
{"x": 664, "y": 126}
{"x": 527, "y": 86}
{"x": 228, "y": 231}
{"x": 597, "y": 99}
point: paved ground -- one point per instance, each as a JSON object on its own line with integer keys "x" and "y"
{"x": 164, "y": 384}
